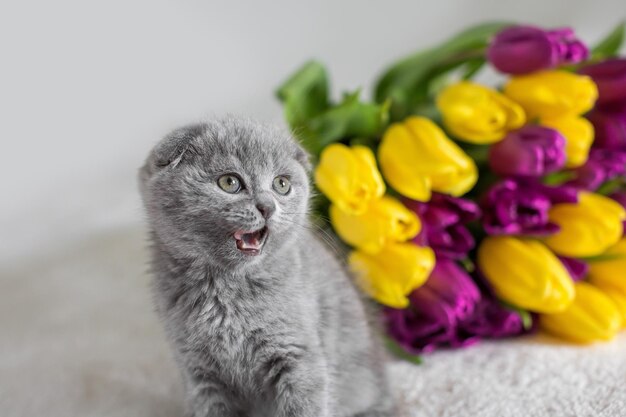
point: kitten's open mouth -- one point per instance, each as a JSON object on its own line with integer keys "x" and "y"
{"x": 251, "y": 243}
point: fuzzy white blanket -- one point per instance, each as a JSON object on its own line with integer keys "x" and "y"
{"x": 78, "y": 337}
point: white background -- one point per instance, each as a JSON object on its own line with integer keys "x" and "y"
{"x": 87, "y": 87}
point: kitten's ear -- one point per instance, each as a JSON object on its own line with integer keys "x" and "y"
{"x": 304, "y": 159}
{"x": 175, "y": 146}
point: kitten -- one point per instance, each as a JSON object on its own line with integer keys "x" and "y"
{"x": 263, "y": 319}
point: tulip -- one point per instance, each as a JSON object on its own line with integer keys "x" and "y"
{"x": 416, "y": 158}
{"x": 610, "y": 76}
{"x": 620, "y": 197}
{"x": 525, "y": 49}
{"x": 578, "y": 134}
{"x": 492, "y": 320}
{"x": 525, "y": 273}
{"x": 390, "y": 275}
{"x": 610, "y": 127}
{"x": 552, "y": 94}
{"x": 530, "y": 151}
{"x": 603, "y": 165}
{"x": 386, "y": 220}
{"x": 610, "y": 271}
{"x": 349, "y": 177}
{"x": 619, "y": 298}
{"x": 522, "y": 207}
{"x": 437, "y": 308}
{"x": 592, "y": 316}
{"x": 587, "y": 228}
{"x": 443, "y": 224}
{"x": 478, "y": 114}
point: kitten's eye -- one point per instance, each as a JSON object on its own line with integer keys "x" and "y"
{"x": 229, "y": 183}
{"x": 282, "y": 185}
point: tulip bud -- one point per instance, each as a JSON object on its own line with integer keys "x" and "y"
{"x": 416, "y": 158}
{"x": 516, "y": 207}
{"x": 587, "y": 228}
{"x": 610, "y": 272}
{"x": 610, "y": 76}
{"x": 531, "y": 151}
{"x": 578, "y": 134}
{"x": 438, "y": 307}
{"x": 601, "y": 166}
{"x": 444, "y": 220}
{"x": 477, "y": 114}
{"x": 525, "y": 49}
{"x": 619, "y": 298}
{"x": 349, "y": 177}
{"x": 610, "y": 127}
{"x": 386, "y": 220}
{"x": 390, "y": 275}
{"x": 525, "y": 273}
{"x": 552, "y": 94}
{"x": 592, "y": 316}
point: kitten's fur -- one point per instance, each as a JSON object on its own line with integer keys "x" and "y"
{"x": 283, "y": 333}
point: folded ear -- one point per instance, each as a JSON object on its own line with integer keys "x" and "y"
{"x": 304, "y": 159}
{"x": 171, "y": 150}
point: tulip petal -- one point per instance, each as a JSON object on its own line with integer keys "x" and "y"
{"x": 525, "y": 273}
{"x": 391, "y": 274}
{"x": 592, "y": 316}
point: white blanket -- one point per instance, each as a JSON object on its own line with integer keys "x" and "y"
{"x": 78, "y": 337}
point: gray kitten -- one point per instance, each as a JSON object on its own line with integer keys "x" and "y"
{"x": 263, "y": 319}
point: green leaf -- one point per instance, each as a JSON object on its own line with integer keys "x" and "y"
{"x": 604, "y": 257}
{"x": 406, "y": 82}
{"x": 305, "y": 94}
{"x": 609, "y": 187}
{"x": 399, "y": 352}
{"x": 558, "y": 178}
{"x": 610, "y": 45}
{"x": 351, "y": 118}
{"x": 527, "y": 318}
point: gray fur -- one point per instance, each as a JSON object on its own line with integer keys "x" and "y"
{"x": 283, "y": 333}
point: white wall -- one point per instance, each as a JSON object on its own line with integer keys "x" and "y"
{"x": 87, "y": 87}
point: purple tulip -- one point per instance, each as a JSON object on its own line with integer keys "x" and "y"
{"x": 443, "y": 224}
{"x": 577, "y": 269}
{"x": 603, "y": 165}
{"x": 531, "y": 151}
{"x": 610, "y": 77}
{"x": 525, "y": 49}
{"x": 610, "y": 126}
{"x": 437, "y": 308}
{"x": 516, "y": 207}
{"x": 492, "y": 320}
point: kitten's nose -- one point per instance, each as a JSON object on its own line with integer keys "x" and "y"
{"x": 266, "y": 207}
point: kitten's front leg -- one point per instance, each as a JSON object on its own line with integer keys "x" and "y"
{"x": 207, "y": 399}
{"x": 301, "y": 387}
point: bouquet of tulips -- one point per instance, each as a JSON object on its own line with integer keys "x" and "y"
{"x": 474, "y": 211}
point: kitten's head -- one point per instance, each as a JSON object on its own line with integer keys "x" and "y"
{"x": 230, "y": 191}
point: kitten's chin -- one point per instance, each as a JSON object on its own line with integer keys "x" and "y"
{"x": 251, "y": 242}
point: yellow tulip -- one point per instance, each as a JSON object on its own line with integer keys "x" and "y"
{"x": 591, "y": 317}
{"x": 386, "y": 220}
{"x": 478, "y": 114}
{"x": 416, "y": 157}
{"x": 393, "y": 273}
{"x": 610, "y": 272}
{"x": 349, "y": 177}
{"x": 578, "y": 133}
{"x": 587, "y": 228}
{"x": 619, "y": 298}
{"x": 526, "y": 274}
{"x": 552, "y": 94}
